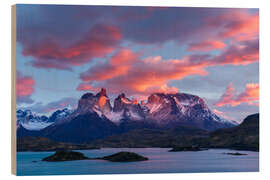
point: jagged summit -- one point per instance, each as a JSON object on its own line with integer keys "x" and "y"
{"x": 98, "y": 103}
{"x": 120, "y": 102}
{"x": 87, "y": 95}
{"x": 102, "y": 93}
{"x": 128, "y": 109}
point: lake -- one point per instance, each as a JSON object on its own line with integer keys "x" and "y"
{"x": 160, "y": 161}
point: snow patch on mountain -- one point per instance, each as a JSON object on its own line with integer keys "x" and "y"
{"x": 114, "y": 116}
{"x": 181, "y": 106}
{"x": 35, "y": 125}
{"x": 154, "y": 107}
{"x": 125, "y": 100}
{"x": 97, "y": 110}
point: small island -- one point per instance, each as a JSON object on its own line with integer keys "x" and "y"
{"x": 235, "y": 154}
{"x": 186, "y": 148}
{"x": 124, "y": 157}
{"x": 65, "y": 156}
{"x": 72, "y": 156}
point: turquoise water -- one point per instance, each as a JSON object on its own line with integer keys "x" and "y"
{"x": 160, "y": 161}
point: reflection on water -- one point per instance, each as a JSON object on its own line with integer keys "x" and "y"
{"x": 160, "y": 161}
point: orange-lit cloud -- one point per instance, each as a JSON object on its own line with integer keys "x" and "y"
{"x": 127, "y": 72}
{"x": 246, "y": 28}
{"x": 240, "y": 25}
{"x": 118, "y": 65}
{"x": 86, "y": 87}
{"x": 98, "y": 42}
{"x": 206, "y": 45}
{"x": 249, "y": 96}
{"x": 139, "y": 76}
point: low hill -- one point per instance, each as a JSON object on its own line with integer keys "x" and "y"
{"x": 245, "y": 136}
{"x": 45, "y": 144}
{"x": 242, "y": 137}
{"x": 152, "y": 138}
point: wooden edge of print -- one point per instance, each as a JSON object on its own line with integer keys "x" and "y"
{"x": 13, "y": 91}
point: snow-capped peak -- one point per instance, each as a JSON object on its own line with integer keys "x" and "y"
{"x": 32, "y": 121}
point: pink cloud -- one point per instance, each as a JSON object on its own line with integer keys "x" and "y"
{"x": 241, "y": 54}
{"x": 228, "y": 97}
{"x": 206, "y": 46}
{"x": 240, "y": 25}
{"x": 98, "y": 42}
{"x": 249, "y": 96}
{"x": 232, "y": 27}
{"x": 24, "y": 88}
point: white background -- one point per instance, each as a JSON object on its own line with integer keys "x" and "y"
{"x": 5, "y": 86}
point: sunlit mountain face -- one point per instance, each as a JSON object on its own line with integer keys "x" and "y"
{"x": 135, "y": 53}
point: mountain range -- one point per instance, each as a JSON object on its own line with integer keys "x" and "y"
{"x": 96, "y": 118}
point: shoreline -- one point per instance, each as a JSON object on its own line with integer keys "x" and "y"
{"x": 146, "y": 148}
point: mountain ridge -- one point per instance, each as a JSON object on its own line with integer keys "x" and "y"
{"x": 95, "y": 118}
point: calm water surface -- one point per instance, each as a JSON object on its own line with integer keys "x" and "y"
{"x": 160, "y": 161}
